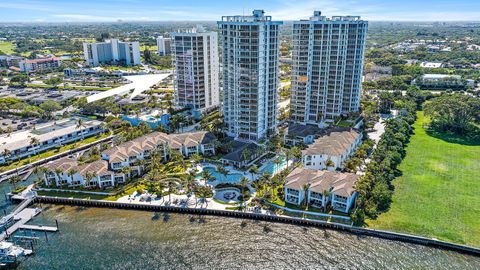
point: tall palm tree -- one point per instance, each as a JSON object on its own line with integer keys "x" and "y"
{"x": 80, "y": 124}
{"x": 244, "y": 183}
{"x": 207, "y": 176}
{"x": 277, "y": 160}
{"x": 71, "y": 173}
{"x": 326, "y": 194}
{"x": 189, "y": 185}
{"x": 246, "y": 154}
{"x": 172, "y": 185}
{"x": 59, "y": 172}
{"x": 221, "y": 170}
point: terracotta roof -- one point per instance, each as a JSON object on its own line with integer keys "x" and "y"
{"x": 337, "y": 182}
{"x": 334, "y": 143}
{"x": 64, "y": 164}
{"x": 151, "y": 141}
{"x": 41, "y": 60}
{"x": 98, "y": 167}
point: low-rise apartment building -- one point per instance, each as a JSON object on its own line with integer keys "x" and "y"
{"x": 67, "y": 172}
{"x": 334, "y": 147}
{"x": 39, "y": 64}
{"x": 26, "y": 143}
{"x": 108, "y": 171}
{"x": 321, "y": 188}
{"x": 10, "y": 60}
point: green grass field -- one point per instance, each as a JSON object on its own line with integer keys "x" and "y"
{"x": 7, "y": 47}
{"x": 438, "y": 194}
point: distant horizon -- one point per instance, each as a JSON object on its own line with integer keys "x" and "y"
{"x": 89, "y": 11}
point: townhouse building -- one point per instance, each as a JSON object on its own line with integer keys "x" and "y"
{"x": 320, "y": 188}
{"x": 335, "y": 148}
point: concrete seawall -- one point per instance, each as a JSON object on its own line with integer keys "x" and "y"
{"x": 272, "y": 218}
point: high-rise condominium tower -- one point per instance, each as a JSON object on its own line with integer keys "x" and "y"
{"x": 196, "y": 68}
{"x": 163, "y": 45}
{"x": 250, "y": 53}
{"x": 112, "y": 52}
{"x": 327, "y": 67}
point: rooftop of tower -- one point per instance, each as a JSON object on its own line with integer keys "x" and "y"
{"x": 258, "y": 15}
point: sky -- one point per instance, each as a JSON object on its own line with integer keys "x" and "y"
{"x": 212, "y": 10}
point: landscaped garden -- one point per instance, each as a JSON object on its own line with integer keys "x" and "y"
{"x": 437, "y": 193}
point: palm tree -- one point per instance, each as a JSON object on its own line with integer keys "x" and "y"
{"x": 326, "y": 194}
{"x": 34, "y": 141}
{"x": 88, "y": 178}
{"x": 189, "y": 185}
{"x": 246, "y": 154}
{"x": 207, "y": 176}
{"x": 14, "y": 180}
{"x": 58, "y": 172}
{"x": 306, "y": 188}
{"x": 221, "y": 170}
{"x": 6, "y": 153}
{"x": 127, "y": 172}
{"x": 203, "y": 192}
{"x": 80, "y": 124}
{"x": 277, "y": 160}
{"x": 329, "y": 163}
{"x": 196, "y": 158}
{"x": 172, "y": 185}
{"x": 253, "y": 170}
{"x": 71, "y": 173}
{"x": 244, "y": 183}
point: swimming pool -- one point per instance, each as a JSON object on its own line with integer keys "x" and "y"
{"x": 220, "y": 178}
{"x": 271, "y": 168}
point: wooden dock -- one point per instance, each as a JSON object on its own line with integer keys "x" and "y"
{"x": 21, "y": 218}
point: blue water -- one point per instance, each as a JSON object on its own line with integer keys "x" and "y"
{"x": 272, "y": 168}
{"x": 231, "y": 178}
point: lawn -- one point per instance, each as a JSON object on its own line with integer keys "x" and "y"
{"x": 437, "y": 194}
{"x": 7, "y": 47}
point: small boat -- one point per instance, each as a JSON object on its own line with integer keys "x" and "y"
{"x": 10, "y": 253}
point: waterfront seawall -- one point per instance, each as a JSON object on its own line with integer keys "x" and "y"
{"x": 264, "y": 217}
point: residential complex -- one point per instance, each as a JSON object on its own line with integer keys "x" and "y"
{"x": 10, "y": 60}
{"x": 321, "y": 188}
{"x": 327, "y": 67}
{"x": 250, "y": 55}
{"x": 108, "y": 171}
{"x": 164, "y": 45}
{"x": 334, "y": 148}
{"x": 26, "y": 143}
{"x": 39, "y": 64}
{"x": 112, "y": 52}
{"x": 196, "y": 69}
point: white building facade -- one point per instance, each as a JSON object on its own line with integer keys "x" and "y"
{"x": 196, "y": 68}
{"x": 112, "y": 52}
{"x": 328, "y": 59}
{"x": 321, "y": 189}
{"x": 164, "y": 45}
{"x": 250, "y": 59}
{"x": 334, "y": 148}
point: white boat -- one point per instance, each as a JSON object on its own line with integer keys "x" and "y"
{"x": 10, "y": 253}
